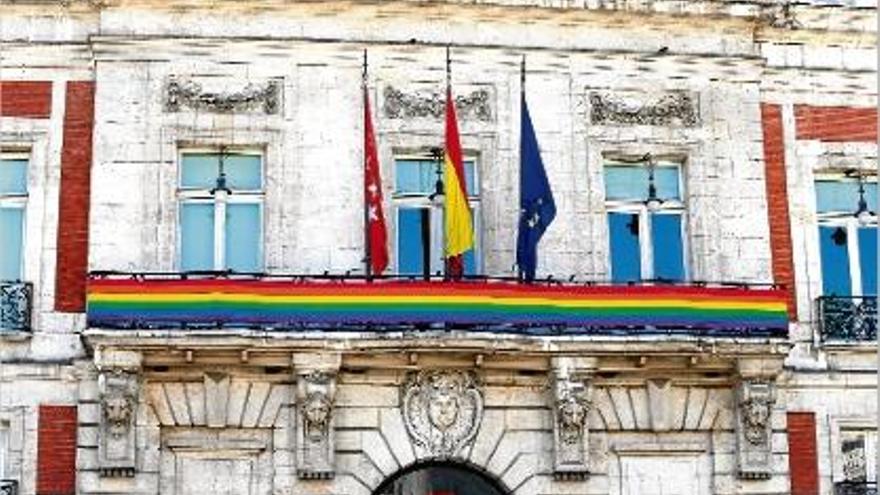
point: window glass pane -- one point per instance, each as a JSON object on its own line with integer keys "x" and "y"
{"x": 625, "y": 255}
{"x": 868, "y": 259}
{"x": 199, "y": 171}
{"x": 843, "y": 196}
{"x": 835, "y": 261}
{"x": 409, "y": 241}
{"x": 244, "y": 235}
{"x": 244, "y": 172}
{"x": 470, "y": 178}
{"x": 668, "y": 253}
{"x": 631, "y": 182}
{"x": 11, "y": 230}
{"x": 196, "y": 236}
{"x": 420, "y": 177}
{"x": 13, "y": 176}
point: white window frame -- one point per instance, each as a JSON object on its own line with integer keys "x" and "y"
{"x": 19, "y": 201}
{"x": 4, "y": 448}
{"x": 850, "y": 225}
{"x": 421, "y": 201}
{"x": 637, "y": 206}
{"x": 840, "y": 426}
{"x": 220, "y": 200}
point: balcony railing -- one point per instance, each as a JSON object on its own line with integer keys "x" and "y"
{"x": 207, "y": 301}
{"x": 855, "y": 488}
{"x": 847, "y": 318}
{"x": 8, "y": 487}
{"x": 16, "y": 300}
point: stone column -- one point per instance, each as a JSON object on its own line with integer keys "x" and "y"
{"x": 571, "y": 400}
{"x": 118, "y": 391}
{"x": 755, "y": 396}
{"x": 315, "y": 392}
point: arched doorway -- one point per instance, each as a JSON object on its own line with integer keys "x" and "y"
{"x": 441, "y": 478}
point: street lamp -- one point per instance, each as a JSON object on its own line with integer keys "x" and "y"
{"x": 437, "y": 197}
{"x": 653, "y": 202}
{"x": 862, "y": 213}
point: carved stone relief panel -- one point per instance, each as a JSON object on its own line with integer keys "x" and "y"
{"x": 572, "y": 401}
{"x": 754, "y": 407}
{"x": 118, "y": 390}
{"x": 442, "y": 409}
{"x": 183, "y": 93}
{"x": 669, "y": 109}
{"x": 316, "y": 390}
{"x": 398, "y": 104}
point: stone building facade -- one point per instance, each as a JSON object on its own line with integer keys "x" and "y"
{"x": 757, "y": 106}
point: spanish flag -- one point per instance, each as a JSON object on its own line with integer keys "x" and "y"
{"x": 457, "y": 213}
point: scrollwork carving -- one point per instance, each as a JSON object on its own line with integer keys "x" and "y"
{"x": 674, "y": 108}
{"x": 753, "y": 424}
{"x": 315, "y": 453}
{"x": 118, "y": 398}
{"x": 572, "y": 396}
{"x": 180, "y": 93}
{"x": 442, "y": 409}
{"x": 399, "y": 105}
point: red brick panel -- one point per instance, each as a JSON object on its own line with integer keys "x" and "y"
{"x": 32, "y": 99}
{"x": 836, "y": 123}
{"x": 56, "y": 451}
{"x": 803, "y": 465}
{"x": 777, "y": 203}
{"x": 73, "y": 215}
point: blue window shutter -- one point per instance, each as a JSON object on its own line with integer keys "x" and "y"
{"x": 11, "y": 231}
{"x": 626, "y": 265}
{"x": 196, "y": 236}
{"x": 835, "y": 263}
{"x": 409, "y": 241}
{"x": 244, "y": 234}
{"x": 668, "y": 252}
{"x": 868, "y": 259}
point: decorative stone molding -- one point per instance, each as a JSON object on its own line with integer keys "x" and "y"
{"x": 180, "y": 93}
{"x": 316, "y": 390}
{"x": 442, "y": 409}
{"x": 670, "y": 109}
{"x": 400, "y": 105}
{"x": 754, "y": 408}
{"x": 572, "y": 401}
{"x": 118, "y": 392}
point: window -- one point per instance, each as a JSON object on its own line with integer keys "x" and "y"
{"x": 4, "y": 447}
{"x": 13, "y": 201}
{"x": 858, "y": 454}
{"x": 848, "y": 250}
{"x": 420, "y": 223}
{"x": 221, "y": 211}
{"x": 645, "y": 244}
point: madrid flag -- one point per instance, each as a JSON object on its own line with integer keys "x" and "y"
{"x": 458, "y": 224}
{"x": 377, "y": 236}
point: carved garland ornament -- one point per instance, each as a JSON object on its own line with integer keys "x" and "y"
{"x": 675, "y": 108}
{"x": 181, "y": 93}
{"x": 442, "y": 409}
{"x": 399, "y": 105}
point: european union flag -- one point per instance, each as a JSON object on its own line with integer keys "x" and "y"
{"x": 537, "y": 208}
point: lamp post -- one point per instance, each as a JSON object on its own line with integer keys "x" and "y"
{"x": 653, "y": 202}
{"x": 862, "y": 213}
{"x": 437, "y": 200}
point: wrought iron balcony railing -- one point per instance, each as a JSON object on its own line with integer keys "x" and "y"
{"x": 847, "y": 318}
{"x": 855, "y": 488}
{"x": 351, "y": 303}
{"x": 8, "y": 487}
{"x": 16, "y": 301}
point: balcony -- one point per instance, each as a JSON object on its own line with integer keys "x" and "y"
{"x": 16, "y": 301}
{"x": 847, "y": 318}
{"x": 216, "y": 301}
{"x": 8, "y": 487}
{"x": 855, "y": 488}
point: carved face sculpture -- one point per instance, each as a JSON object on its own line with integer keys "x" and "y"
{"x": 571, "y": 417}
{"x": 443, "y": 406}
{"x": 316, "y": 413}
{"x": 117, "y": 410}
{"x": 757, "y": 413}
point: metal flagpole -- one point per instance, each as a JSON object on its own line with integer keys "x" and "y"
{"x": 446, "y": 260}
{"x": 368, "y": 255}
{"x": 522, "y": 92}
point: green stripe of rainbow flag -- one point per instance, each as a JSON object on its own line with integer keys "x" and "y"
{"x": 155, "y": 303}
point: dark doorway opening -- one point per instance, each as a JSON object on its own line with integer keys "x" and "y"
{"x": 441, "y": 478}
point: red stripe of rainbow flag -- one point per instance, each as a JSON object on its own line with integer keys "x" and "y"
{"x": 154, "y": 303}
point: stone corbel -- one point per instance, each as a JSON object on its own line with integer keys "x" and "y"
{"x": 754, "y": 409}
{"x": 118, "y": 391}
{"x": 315, "y": 393}
{"x": 571, "y": 391}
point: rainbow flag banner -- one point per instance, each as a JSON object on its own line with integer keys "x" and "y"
{"x": 384, "y": 305}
